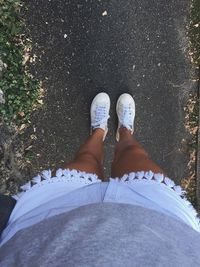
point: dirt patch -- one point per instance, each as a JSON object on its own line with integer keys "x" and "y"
{"x": 191, "y": 124}
{"x": 12, "y": 168}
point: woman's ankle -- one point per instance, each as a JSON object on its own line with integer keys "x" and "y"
{"x": 124, "y": 133}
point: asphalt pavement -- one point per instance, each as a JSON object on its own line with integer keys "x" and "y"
{"x": 85, "y": 47}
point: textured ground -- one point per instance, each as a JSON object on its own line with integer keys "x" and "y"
{"x": 85, "y": 47}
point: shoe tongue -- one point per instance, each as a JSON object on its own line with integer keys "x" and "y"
{"x": 126, "y": 119}
{"x": 100, "y": 123}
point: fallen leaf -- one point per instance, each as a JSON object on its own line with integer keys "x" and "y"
{"x": 28, "y": 148}
{"x": 21, "y": 113}
{"x": 105, "y": 13}
{"x": 40, "y": 101}
{"x": 23, "y": 126}
{"x": 33, "y": 137}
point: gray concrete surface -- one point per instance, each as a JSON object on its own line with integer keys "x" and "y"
{"x": 137, "y": 47}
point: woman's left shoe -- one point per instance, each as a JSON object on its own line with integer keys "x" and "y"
{"x": 99, "y": 112}
{"x": 125, "y": 109}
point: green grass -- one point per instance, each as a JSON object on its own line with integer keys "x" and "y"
{"x": 21, "y": 90}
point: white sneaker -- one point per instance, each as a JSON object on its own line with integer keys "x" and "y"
{"x": 99, "y": 112}
{"x": 126, "y": 113}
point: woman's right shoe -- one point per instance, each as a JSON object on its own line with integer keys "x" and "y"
{"x": 125, "y": 109}
{"x": 99, "y": 112}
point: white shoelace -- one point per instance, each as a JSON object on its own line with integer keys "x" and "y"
{"x": 126, "y": 119}
{"x": 101, "y": 117}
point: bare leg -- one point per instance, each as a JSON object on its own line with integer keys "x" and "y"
{"x": 130, "y": 156}
{"x": 90, "y": 155}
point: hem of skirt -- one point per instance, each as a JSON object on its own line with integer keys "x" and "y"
{"x": 133, "y": 177}
{"x": 62, "y": 175}
{"x": 68, "y": 175}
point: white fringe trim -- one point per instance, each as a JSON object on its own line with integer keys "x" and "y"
{"x": 62, "y": 175}
{"x": 67, "y": 175}
{"x": 159, "y": 178}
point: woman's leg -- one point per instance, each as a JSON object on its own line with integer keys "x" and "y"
{"x": 130, "y": 156}
{"x": 90, "y": 155}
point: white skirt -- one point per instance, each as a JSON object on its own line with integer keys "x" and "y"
{"x": 46, "y": 196}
